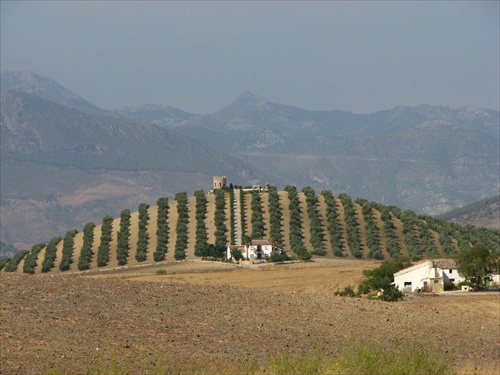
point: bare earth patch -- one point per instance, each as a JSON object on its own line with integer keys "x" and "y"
{"x": 222, "y": 312}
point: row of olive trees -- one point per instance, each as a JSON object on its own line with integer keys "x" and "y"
{"x": 243, "y": 213}
{"x": 201, "y": 228}
{"x": 86, "y": 252}
{"x": 258, "y": 228}
{"x": 182, "y": 226}
{"x": 143, "y": 238}
{"x": 352, "y": 226}
{"x": 409, "y": 220}
{"x": 371, "y": 230}
{"x": 315, "y": 227}
{"x": 391, "y": 243}
{"x": 103, "y": 250}
{"x": 232, "y": 221}
{"x": 296, "y": 237}
{"x": 275, "y": 216}
{"x": 220, "y": 218}
{"x": 67, "y": 250}
{"x": 50, "y": 254}
{"x": 123, "y": 246}
{"x": 161, "y": 230}
{"x": 427, "y": 240}
{"x": 334, "y": 226}
{"x": 30, "y": 261}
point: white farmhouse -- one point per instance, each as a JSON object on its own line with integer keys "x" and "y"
{"x": 428, "y": 276}
{"x": 259, "y": 249}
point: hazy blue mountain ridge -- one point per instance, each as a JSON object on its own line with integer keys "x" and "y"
{"x": 427, "y": 158}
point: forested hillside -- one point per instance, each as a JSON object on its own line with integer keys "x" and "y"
{"x": 321, "y": 223}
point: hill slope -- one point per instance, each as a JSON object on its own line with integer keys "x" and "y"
{"x": 333, "y": 226}
{"x": 484, "y": 213}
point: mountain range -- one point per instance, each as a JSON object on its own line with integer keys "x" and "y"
{"x": 65, "y": 161}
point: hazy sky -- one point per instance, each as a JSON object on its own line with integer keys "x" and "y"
{"x": 199, "y": 56}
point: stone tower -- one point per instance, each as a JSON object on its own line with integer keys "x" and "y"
{"x": 219, "y": 182}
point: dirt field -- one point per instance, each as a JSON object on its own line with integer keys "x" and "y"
{"x": 218, "y": 312}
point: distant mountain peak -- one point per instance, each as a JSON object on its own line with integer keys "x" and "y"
{"x": 46, "y": 88}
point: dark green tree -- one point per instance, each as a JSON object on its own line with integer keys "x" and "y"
{"x": 476, "y": 263}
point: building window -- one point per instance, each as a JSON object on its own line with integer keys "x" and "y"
{"x": 436, "y": 281}
{"x": 451, "y": 271}
{"x": 407, "y": 283}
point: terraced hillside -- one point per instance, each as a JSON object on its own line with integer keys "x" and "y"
{"x": 323, "y": 224}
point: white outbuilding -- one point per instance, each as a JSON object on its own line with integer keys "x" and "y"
{"x": 428, "y": 276}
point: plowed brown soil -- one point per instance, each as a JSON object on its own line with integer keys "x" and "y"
{"x": 223, "y": 313}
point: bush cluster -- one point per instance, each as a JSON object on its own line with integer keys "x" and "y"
{"x": 67, "y": 250}
{"x": 103, "y": 250}
{"x": 296, "y": 238}
{"x": 316, "y": 228}
{"x": 220, "y": 218}
{"x": 201, "y": 228}
{"x": 302, "y": 253}
{"x": 86, "y": 252}
{"x": 381, "y": 278}
{"x": 182, "y": 226}
{"x": 161, "y": 230}
{"x": 30, "y": 261}
{"x": 257, "y": 216}
{"x": 213, "y": 252}
{"x": 352, "y": 226}
{"x": 279, "y": 257}
{"x": 334, "y": 226}
{"x": 123, "y": 246}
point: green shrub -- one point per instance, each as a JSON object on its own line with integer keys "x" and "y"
{"x": 302, "y": 253}
{"x": 348, "y": 291}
